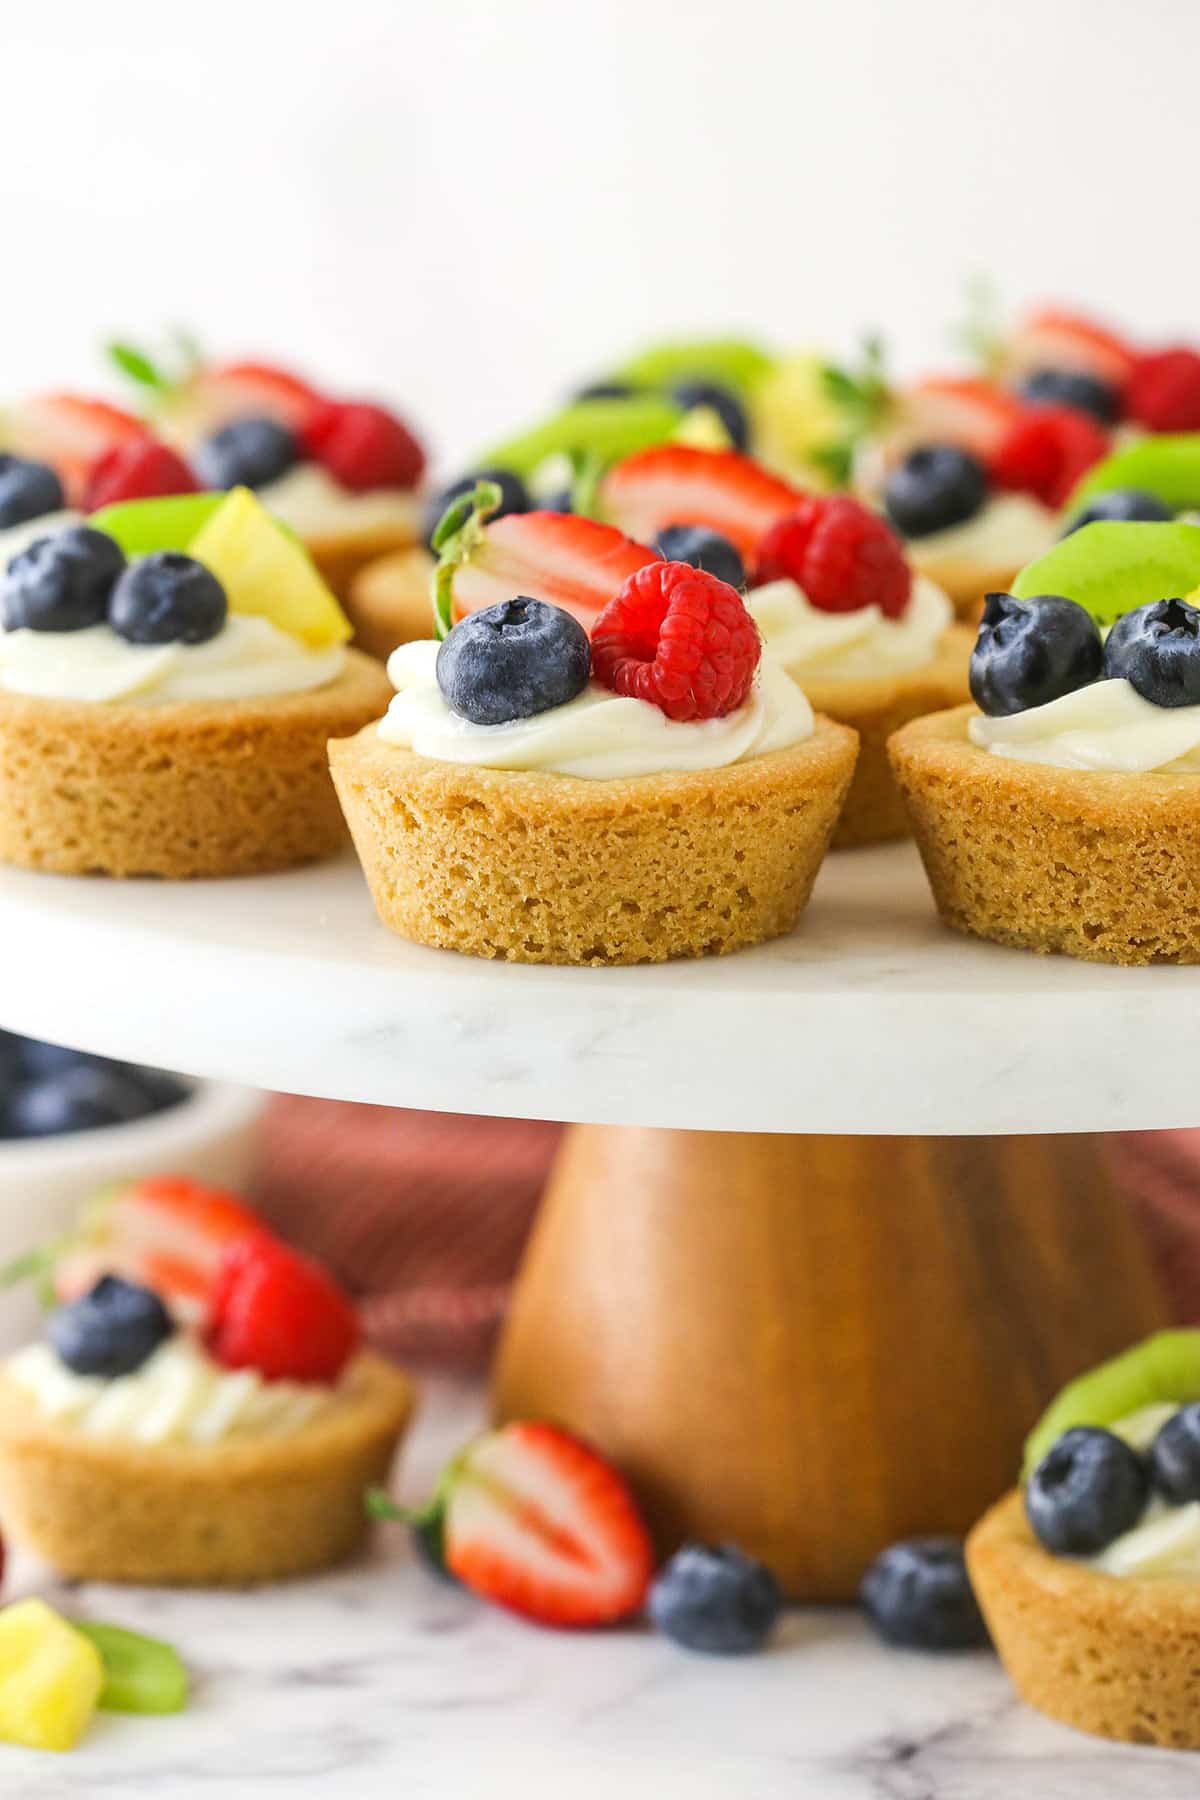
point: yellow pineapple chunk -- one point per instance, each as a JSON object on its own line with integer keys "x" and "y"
{"x": 265, "y": 570}
{"x": 50, "y": 1678}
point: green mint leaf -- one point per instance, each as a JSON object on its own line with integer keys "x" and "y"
{"x": 137, "y": 366}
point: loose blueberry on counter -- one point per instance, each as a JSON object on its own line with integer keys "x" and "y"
{"x": 1175, "y": 1457}
{"x": 936, "y": 486}
{"x": 111, "y": 1330}
{"x": 514, "y": 496}
{"x": 1030, "y": 652}
{"x": 27, "y": 490}
{"x": 512, "y": 661}
{"x": 1087, "y": 1490}
{"x": 1071, "y": 387}
{"x": 1124, "y": 504}
{"x": 704, "y": 549}
{"x": 718, "y": 399}
{"x": 1156, "y": 648}
{"x": 246, "y": 453}
{"x": 715, "y": 1598}
{"x": 61, "y": 583}
{"x": 167, "y": 598}
{"x": 918, "y": 1594}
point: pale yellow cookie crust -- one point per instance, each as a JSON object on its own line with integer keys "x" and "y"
{"x": 874, "y": 811}
{"x": 196, "y": 788}
{"x": 1116, "y": 1656}
{"x": 389, "y": 601}
{"x": 244, "y": 1510}
{"x": 551, "y": 868}
{"x": 965, "y": 579}
{"x": 341, "y": 555}
{"x": 1097, "y": 865}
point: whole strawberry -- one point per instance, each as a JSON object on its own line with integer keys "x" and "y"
{"x": 277, "y": 1311}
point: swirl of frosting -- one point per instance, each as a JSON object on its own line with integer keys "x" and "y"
{"x": 850, "y": 646}
{"x": 1105, "y": 726}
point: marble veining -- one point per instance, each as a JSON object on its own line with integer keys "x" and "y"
{"x": 378, "y": 1681}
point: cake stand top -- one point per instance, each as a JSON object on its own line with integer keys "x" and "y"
{"x": 871, "y": 1019}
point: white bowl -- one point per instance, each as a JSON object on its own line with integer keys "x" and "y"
{"x": 43, "y": 1181}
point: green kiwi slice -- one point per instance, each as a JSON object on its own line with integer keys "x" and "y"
{"x": 1114, "y": 565}
{"x": 1164, "y": 1368}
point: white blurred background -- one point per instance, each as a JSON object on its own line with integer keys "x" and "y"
{"x": 470, "y": 206}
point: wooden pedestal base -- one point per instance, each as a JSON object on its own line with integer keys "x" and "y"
{"x": 813, "y": 1346}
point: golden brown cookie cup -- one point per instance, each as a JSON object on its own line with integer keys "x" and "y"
{"x": 389, "y": 601}
{"x": 538, "y": 867}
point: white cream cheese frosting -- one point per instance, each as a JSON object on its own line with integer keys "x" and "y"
{"x": 249, "y": 658}
{"x": 1008, "y": 531}
{"x": 599, "y": 735}
{"x": 850, "y": 646}
{"x": 178, "y": 1396}
{"x": 315, "y": 505}
{"x": 1107, "y": 725}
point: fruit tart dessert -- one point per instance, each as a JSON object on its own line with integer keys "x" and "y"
{"x": 200, "y": 1410}
{"x": 1062, "y": 812}
{"x": 342, "y": 473}
{"x": 1089, "y": 1574}
{"x": 597, "y": 764}
{"x": 1059, "y": 356}
{"x": 871, "y": 643}
{"x": 170, "y": 673}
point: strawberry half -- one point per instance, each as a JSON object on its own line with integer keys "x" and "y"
{"x": 70, "y": 432}
{"x": 974, "y": 414}
{"x": 220, "y": 392}
{"x": 676, "y": 484}
{"x": 1053, "y": 338}
{"x": 137, "y": 469}
{"x": 167, "y": 1232}
{"x": 569, "y": 561}
{"x": 536, "y": 1521}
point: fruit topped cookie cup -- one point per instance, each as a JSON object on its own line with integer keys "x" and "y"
{"x": 871, "y": 643}
{"x": 200, "y": 1410}
{"x": 1089, "y": 1573}
{"x": 170, "y": 674}
{"x": 1062, "y": 813}
{"x": 599, "y": 762}
{"x": 342, "y": 473}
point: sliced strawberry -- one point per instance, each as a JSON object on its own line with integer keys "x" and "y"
{"x": 138, "y": 468}
{"x": 675, "y": 484}
{"x": 951, "y": 410}
{"x": 1053, "y": 338}
{"x": 70, "y": 432}
{"x": 572, "y": 562}
{"x": 537, "y": 1522}
{"x": 218, "y": 393}
{"x": 167, "y": 1232}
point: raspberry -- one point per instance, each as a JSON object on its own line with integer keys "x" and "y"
{"x": 842, "y": 555}
{"x": 277, "y": 1311}
{"x": 1046, "y": 452}
{"x": 364, "y": 446}
{"x": 679, "y": 638}
{"x": 1164, "y": 390}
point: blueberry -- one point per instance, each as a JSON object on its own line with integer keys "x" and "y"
{"x": 111, "y": 1330}
{"x": 39, "y": 1058}
{"x": 81, "y": 1097}
{"x": 704, "y": 549}
{"x": 1029, "y": 652}
{"x": 1071, "y": 387}
{"x": 158, "y": 1089}
{"x": 12, "y": 1061}
{"x": 1175, "y": 1457}
{"x": 715, "y": 1598}
{"x": 514, "y": 496}
{"x": 246, "y": 453}
{"x": 27, "y": 490}
{"x": 721, "y": 400}
{"x": 562, "y": 500}
{"x": 934, "y": 487}
{"x": 167, "y": 598}
{"x": 1156, "y": 648}
{"x": 917, "y": 1593}
{"x": 1087, "y": 1490}
{"x": 61, "y": 583}
{"x": 605, "y": 390}
{"x": 1123, "y": 504}
{"x": 512, "y": 661}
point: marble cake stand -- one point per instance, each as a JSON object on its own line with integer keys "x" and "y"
{"x": 812, "y": 1258}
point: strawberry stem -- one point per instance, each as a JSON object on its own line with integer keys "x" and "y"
{"x": 459, "y": 531}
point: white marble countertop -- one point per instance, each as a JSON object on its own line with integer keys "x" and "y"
{"x": 381, "y": 1681}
